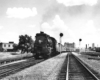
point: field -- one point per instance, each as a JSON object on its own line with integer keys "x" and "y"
{"x": 92, "y": 53}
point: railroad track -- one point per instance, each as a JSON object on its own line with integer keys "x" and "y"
{"x": 13, "y": 68}
{"x": 63, "y": 71}
{"x": 75, "y": 69}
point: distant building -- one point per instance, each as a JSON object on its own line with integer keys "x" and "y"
{"x": 61, "y": 47}
{"x": 86, "y": 46}
{"x": 7, "y": 46}
{"x": 69, "y": 46}
{"x": 93, "y": 45}
{"x": 1, "y": 49}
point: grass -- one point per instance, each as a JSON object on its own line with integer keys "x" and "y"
{"x": 91, "y": 53}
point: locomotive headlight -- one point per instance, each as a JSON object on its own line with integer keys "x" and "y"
{"x": 40, "y": 41}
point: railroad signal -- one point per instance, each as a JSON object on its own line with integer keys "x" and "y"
{"x": 80, "y": 39}
{"x": 61, "y": 35}
{"x": 80, "y": 44}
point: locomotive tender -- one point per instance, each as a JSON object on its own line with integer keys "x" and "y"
{"x": 44, "y": 46}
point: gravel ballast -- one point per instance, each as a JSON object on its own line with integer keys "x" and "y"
{"x": 47, "y": 70}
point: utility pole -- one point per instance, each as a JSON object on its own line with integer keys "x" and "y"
{"x": 61, "y": 35}
{"x": 86, "y": 47}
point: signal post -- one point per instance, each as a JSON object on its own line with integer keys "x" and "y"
{"x": 61, "y": 35}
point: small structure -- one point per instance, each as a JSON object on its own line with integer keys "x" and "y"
{"x": 7, "y": 46}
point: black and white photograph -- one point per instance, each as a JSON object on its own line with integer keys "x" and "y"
{"x": 49, "y": 39}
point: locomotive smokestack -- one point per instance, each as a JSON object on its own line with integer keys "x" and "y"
{"x": 41, "y": 32}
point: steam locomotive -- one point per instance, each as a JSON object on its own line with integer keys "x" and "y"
{"x": 44, "y": 46}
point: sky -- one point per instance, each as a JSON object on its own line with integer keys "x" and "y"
{"x": 74, "y": 18}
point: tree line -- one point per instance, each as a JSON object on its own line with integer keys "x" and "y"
{"x": 26, "y": 44}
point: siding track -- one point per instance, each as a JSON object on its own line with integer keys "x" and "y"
{"x": 78, "y": 71}
{"x": 74, "y": 69}
{"x": 13, "y": 68}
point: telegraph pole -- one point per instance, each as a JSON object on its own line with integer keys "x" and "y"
{"x": 61, "y": 35}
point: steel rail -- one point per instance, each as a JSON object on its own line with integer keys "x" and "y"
{"x": 3, "y": 62}
{"x": 67, "y": 67}
{"x": 63, "y": 70}
{"x": 13, "y": 64}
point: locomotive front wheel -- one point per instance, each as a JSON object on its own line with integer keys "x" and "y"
{"x": 36, "y": 56}
{"x": 45, "y": 56}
